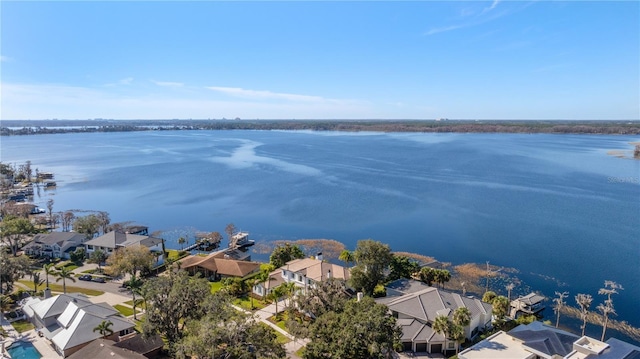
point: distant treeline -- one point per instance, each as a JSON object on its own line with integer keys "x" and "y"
{"x": 15, "y": 127}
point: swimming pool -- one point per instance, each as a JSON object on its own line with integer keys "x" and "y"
{"x": 23, "y": 350}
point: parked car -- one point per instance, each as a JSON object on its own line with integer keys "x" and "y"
{"x": 99, "y": 280}
{"x": 86, "y": 277}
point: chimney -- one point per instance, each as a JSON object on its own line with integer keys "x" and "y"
{"x": 47, "y": 293}
{"x": 319, "y": 256}
{"x": 329, "y": 273}
{"x": 360, "y": 295}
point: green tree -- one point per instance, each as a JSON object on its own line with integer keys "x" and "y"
{"x": 5, "y": 303}
{"x": 35, "y": 277}
{"x": 87, "y": 225}
{"x": 457, "y": 335}
{"x": 235, "y": 286}
{"x": 427, "y": 275}
{"x": 489, "y": 296}
{"x": 12, "y": 269}
{"x": 442, "y": 276}
{"x": 132, "y": 260}
{"x": 63, "y": 274}
{"x": 285, "y": 253}
{"x": 275, "y": 295}
{"x": 14, "y": 231}
{"x": 584, "y": 302}
{"x": 78, "y": 256}
{"x": 226, "y": 333}
{"x": 49, "y": 269}
{"x": 104, "y": 328}
{"x": 442, "y": 325}
{"x": 181, "y": 242}
{"x": 98, "y": 257}
{"x": 462, "y": 316}
{"x": 500, "y": 306}
{"x": 135, "y": 286}
{"x": 373, "y": 259}
{"x": 173, "y": 301}
{"x": 347, "y": 257}
{"x": 326, "y": 296}
{"x": 363, "y": 329}
{"x": 402, "y": 267}
{"x": 558, "y": 304}
{"x": 606, "y": 308}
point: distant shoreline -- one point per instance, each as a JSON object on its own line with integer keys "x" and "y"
{"x": 603, "y": 127}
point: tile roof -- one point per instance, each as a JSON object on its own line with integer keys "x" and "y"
{"x": 116, "y": 239}
{"x": 316, "y": 269}
{"x": 222, "y": 266}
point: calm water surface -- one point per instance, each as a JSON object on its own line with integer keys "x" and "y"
{"x": 555, "y": 206}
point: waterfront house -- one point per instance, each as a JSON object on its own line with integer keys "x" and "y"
{"x": 416, "y": 306}
{"x": 54, "y": 244}
{"x": 217, "y": 266}
{"x": 303, "y": 272}
{"x": 114, "y": 240}
{"x": 540, "y": 341}
{"x": 530, "y": 304}
{"x": 67, "y": 321}
{"x": 136, "y": 347}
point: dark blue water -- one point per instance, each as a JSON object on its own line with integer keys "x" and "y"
{"x": 557, "y": 207}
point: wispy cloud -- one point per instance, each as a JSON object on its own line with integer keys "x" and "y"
{"x": 265, "y": 95}
{"x": 122, "y": 82}
{"x": 466, "y": 20}
{"x": 4, "y": 58}
{"x": 168, "y": 83}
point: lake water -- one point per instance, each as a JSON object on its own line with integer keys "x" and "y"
{"x": 557, "y": 207}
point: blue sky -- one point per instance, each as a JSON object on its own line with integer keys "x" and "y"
{"x": 320, "y": 60}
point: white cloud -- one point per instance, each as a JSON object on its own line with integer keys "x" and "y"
{"x": 41, "y": 101}
{"x": 168, "y": 83}
{"x": 5, "y": 58}
{"x": 265, "y": 95}
{"x": 126, "y": 81}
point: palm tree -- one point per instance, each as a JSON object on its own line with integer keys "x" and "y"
{"x": 442, "y": 325}
{"x": 584, "y": 302}
{"x": 104, "y": 328}
{"x": 181, "y": 242}
{"x": 457, "y": 334}
{"x": 289, "y": 290}
{"x": 36, "y": 281}
{"x": 509, "y": 287}
{"x": 347, "y": 256}
{"x": 135, "y": 285}
{"x": 64, "y": 273}
{"x": 277, "y": 293}
{"x": 5, "y": 303}
{"x": 49, "y": 269}
{"x": 610, "y": 287}
{"x": 559, "y": 303}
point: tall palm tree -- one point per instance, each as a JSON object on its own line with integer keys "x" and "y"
{"x": 509, "y": 287}
{"x": 5, "y": 303}
{"x": 181, "y": 242}
{"x": 104, "y": 328}
{"x": 584, "y": 302}
{"x": 277, "y": 293}
{"x": 347, "y": 256}
{"x": 559, "y": 303}
{"x": 289, "y": 290}
{"x": 457, "y": 334}
{"x": 64, "y": 273}
{"x": 135, "y": 285}
{"x": 610, "y": 287}
{"x": 461, "y": 319}
{"x": 442, "y": 325}
{"x": 35, "y": 276}
{"x": 49, "y": 269}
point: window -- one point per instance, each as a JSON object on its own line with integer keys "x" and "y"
{"x": 90, "y": 247}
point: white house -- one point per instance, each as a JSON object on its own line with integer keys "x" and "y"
{"x": 303, "y": 272}
{"x": 54, "y": 244}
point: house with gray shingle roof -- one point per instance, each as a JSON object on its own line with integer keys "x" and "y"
{"x": 114, "y": 240}
{"x": 54, "y": 244}
{"x": 417, "y": 308}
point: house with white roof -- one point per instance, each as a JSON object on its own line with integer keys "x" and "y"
{"x": 68, "y": 321}
{"x": 540, "y": 341}
{"x": 416, "y": 306}
{"x": 303, "y": 272}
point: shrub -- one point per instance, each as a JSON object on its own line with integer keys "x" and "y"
{"x": 379, "y": 291}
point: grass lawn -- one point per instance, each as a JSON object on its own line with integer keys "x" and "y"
{"x": 245, "y": 303}
{"x": 174, "y": 254}
{"x": 22, "y": 326}
{"x": 58, "y": 288}
{"x": 300, "y": 352}
{"x": 124, "y": 310}
{"x": 139, "y": 323}
{"x": 140, "y": 305}
{"x": 215, "y": 286}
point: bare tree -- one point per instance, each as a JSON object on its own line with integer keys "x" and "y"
{"x": 606, "y": 308}
{"x": 509, "y": 287}
{"x": 584, "y": 302}
{"x": 104, "y": 221}
{"x": 558, "y": 304}
{"x": 50, "y": 209}
{"x": 67, "y": 220}
{"x": 230, "y": 229}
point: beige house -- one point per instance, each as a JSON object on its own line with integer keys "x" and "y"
{"x": 303, "y": 272}
{"x": 215, "y": 266}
